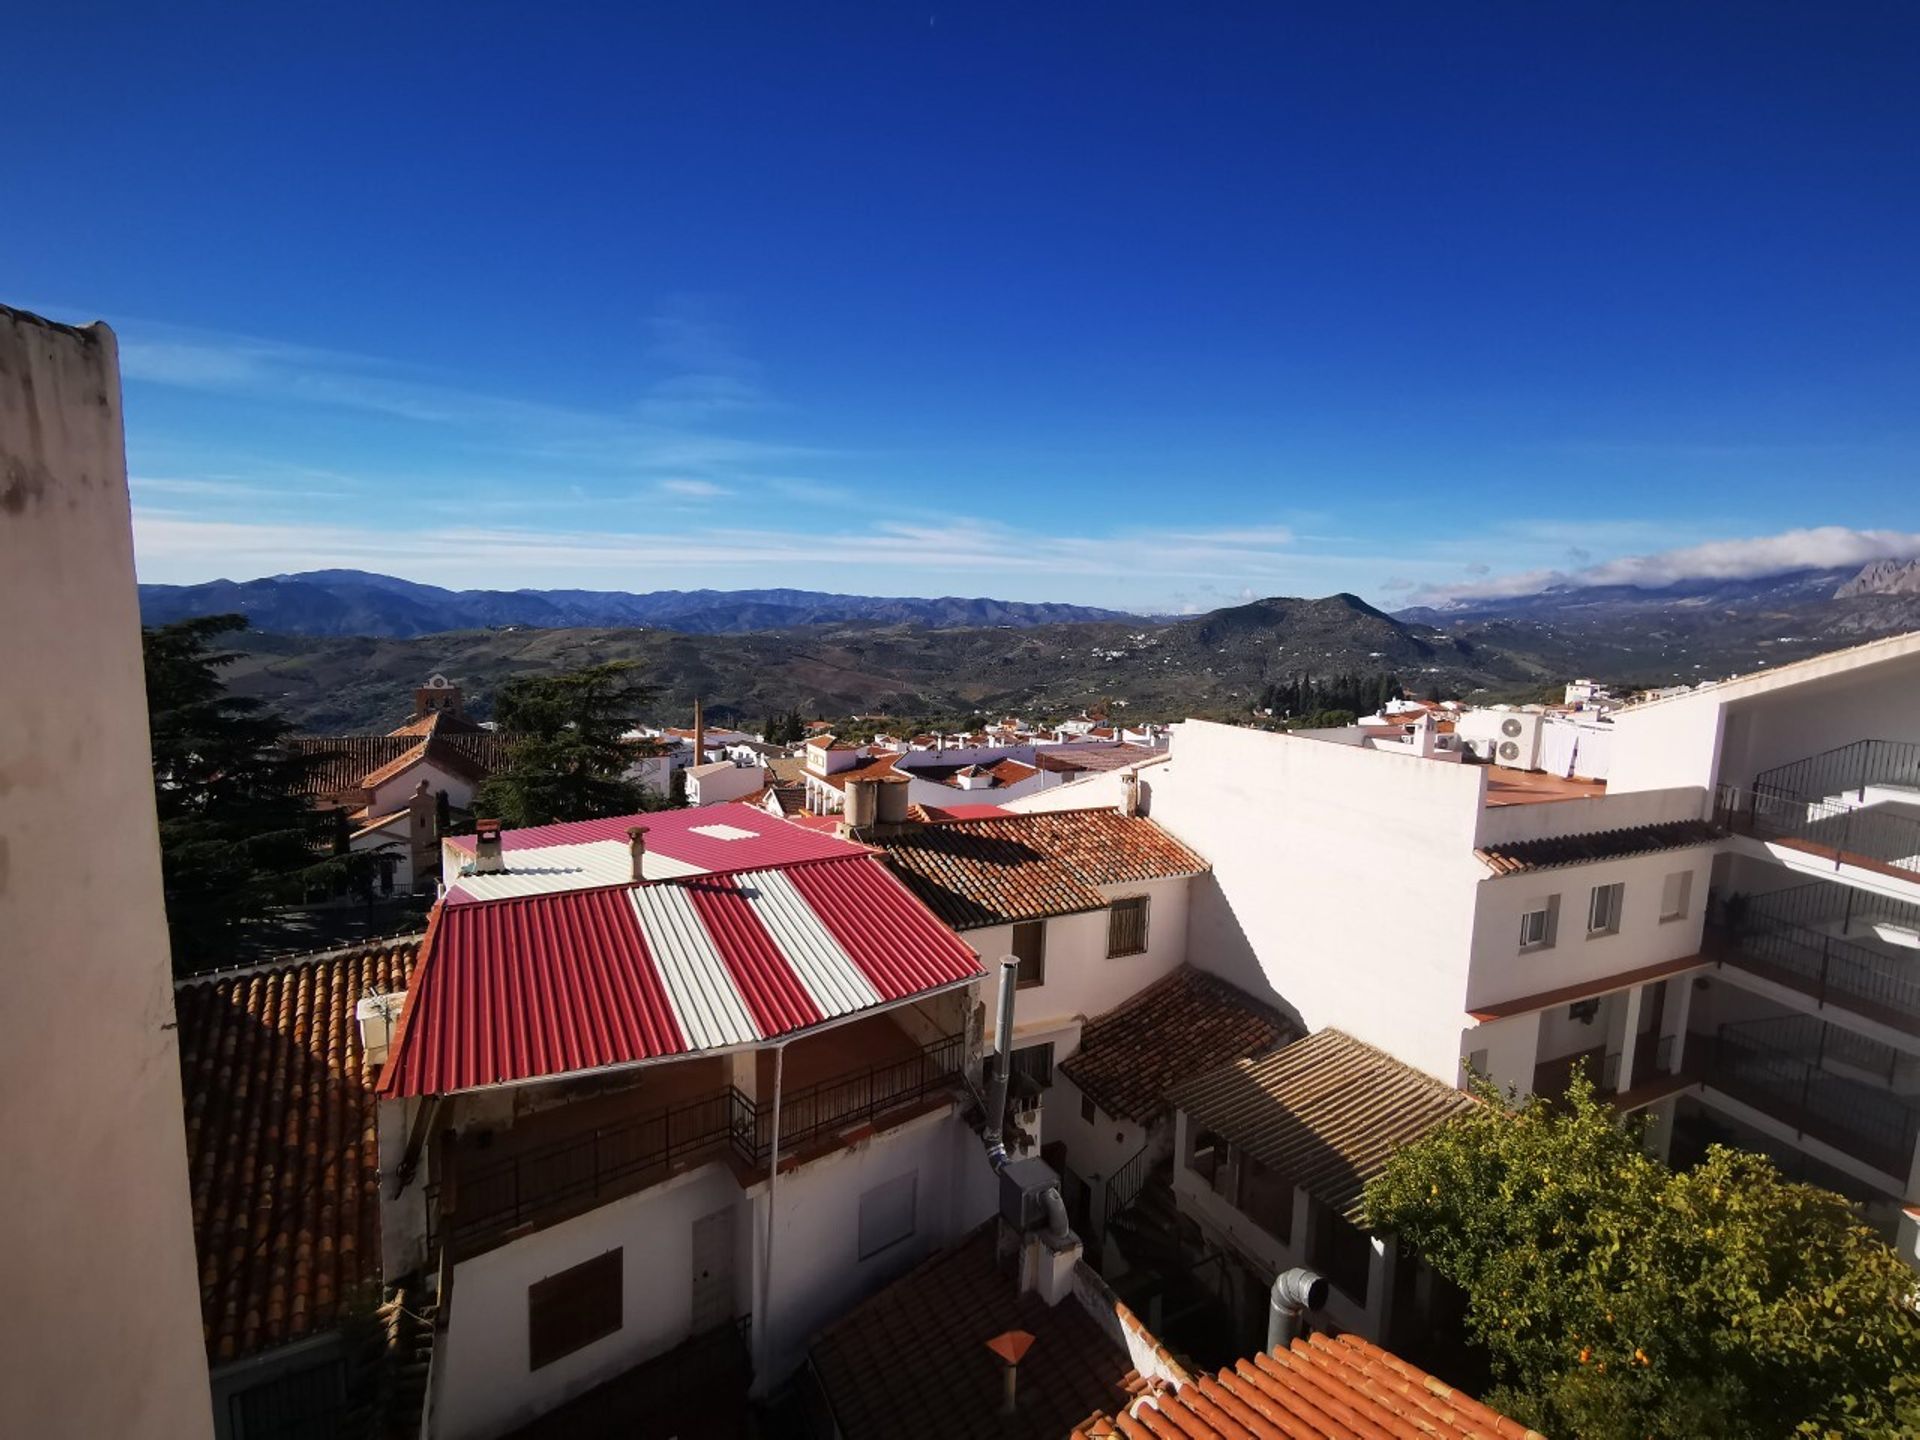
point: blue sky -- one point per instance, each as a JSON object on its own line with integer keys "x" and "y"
{"x": 1151, "y": 306}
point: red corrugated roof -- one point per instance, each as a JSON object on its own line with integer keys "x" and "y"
{"x": 517, "y": 989}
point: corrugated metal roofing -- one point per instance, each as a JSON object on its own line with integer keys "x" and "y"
{"x": 513, "y": 990}
{"x": 553, "y": 868}
{"x": 1326, "y": 1112}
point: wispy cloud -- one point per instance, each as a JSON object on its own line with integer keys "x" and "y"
{"x": 688, "y": 489}
{"x": 1827, "y": 546}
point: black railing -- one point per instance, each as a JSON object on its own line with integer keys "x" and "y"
{"x": 1832, "y": 971}
{"x": 1844, "y": 770}
{"x": 1124, "y": 1186}
{"x": 1867, "y": 835}
{"x": 1781, "y": 1068}
{"x": 490, "y": 1201}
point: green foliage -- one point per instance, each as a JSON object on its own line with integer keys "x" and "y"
{"x": 238, "y": 835}
{"x": 1618, "y": 1298}
{"x": 567, "y": 760}
{"x": 785, "y": 728}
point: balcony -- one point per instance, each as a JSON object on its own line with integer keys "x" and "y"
{"x": 585, "y": 1153}
{"x": 1840, "y": 948}
{"x": 1822, "y": 1081}
{"x": 1882, "y": 837}
{"x": 1652, "y": 1063}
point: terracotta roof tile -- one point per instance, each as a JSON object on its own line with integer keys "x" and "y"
{"x": 1020, "y": 867}
{"x": 1329, "y": 1387}
{"x": 1518, "y": 855}
{"x": 440, "y": 722}
{"x": 281, "y": 1147}
{"x": 1180, "y": 1026}
{"x": 1326, "y": 1112}
{"x": 913, "y": 1360}
{"x": 345, "y": 762}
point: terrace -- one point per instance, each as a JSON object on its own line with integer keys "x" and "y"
{"x": 587, "y": 1144}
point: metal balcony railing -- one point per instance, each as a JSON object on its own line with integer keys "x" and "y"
{"x": 487, "y": 1202}
{"x": 1868, "y": 836}
{"x": 1843, "y": 770}
{"x": 1831, "y": 970}
{"x": 1782, "y": 1068}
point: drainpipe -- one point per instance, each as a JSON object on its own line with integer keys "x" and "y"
{"x": 763, "y": 1331}
{"x": 1295, "y": 1292}
{"x": 1003, "y": 1059}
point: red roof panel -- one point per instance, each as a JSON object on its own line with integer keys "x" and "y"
{"x": 687, "y": 835}
{"x": 774, "y": 994}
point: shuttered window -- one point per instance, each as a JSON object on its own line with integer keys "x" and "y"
{"x": 573, "y": 1309}
{"x": 1030, "y": 949}
{"x": 1127, "y": 926}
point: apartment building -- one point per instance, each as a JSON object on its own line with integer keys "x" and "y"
{"x": 622, "y": 1116}
{"x": 97, "y": 1255}
{"x": 1804, "y": 1035}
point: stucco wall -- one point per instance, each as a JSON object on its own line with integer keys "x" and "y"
{"x": 1343, "y": 879}
{"x": 1502, "y": 972}
{"x": 101, "y": 1321}
{"x": 1081, "y": 981}
{"x": 482, "y": 1384}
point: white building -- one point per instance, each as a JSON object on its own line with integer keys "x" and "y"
{"x": 724, "y": 1099}
{"x": 1805, "y": 1034}
{"x": 100, "y": 1325}
{"x": 723, "y": 780}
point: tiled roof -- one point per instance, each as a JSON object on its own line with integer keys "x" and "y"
{"x": 554, "y": 984}
{"x": 437, "y": 750}
{"x": 1115, "y": 756}
{"x": 343, "y": 762}
{"x": 1322, "y": 1387}
{"x": 1515, "y": 856}
{"x": 1180, "y": 1026}
{"x": 281, "y": 1145}
{"x": 439, "y": 722}
{"x": 1020, "y": 867}
{"x": 1326, "y": 1112}
{"x": 913, "y": 1360}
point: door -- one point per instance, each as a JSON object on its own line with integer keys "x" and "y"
{"x": 712, "y": 1271}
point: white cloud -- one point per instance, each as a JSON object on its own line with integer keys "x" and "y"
{"x": 1826, "y": 546}
{"x": 688, "y": 489}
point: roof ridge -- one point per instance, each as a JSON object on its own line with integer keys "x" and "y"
{"x": 272, "y": 964}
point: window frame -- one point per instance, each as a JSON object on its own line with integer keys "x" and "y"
{"x": 1118, "y": 905}
{"x": 1616, "y": 894}
{"x": 1023, "y": 980}
{"x": 1547, "y": 907}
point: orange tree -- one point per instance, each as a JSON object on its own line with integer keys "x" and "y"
{"x": 1619, "y": 1298}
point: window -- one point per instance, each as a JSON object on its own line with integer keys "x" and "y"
{"x": 1603, "y": 909}
{"x": 1676, "y": 895}
{"x": 886, "y": 1214}
{"x": 571, "y": 1310}
{"x": 1030, "y": 949}
{"x": 1089, "y": 1112}
{"x": 1033, "y": 1063}
{"x": 1538, "y": 922}
{"x": 1127, "y": 926}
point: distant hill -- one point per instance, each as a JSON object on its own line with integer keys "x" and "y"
{"x": 355, "y": 602}
{"x": 1564, "y": 603}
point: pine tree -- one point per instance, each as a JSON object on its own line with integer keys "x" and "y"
{"x": 238, "y": 832}
{"x": 567, "y": 760}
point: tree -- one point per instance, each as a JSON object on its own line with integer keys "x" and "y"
{"x": 567, "y": 759}
{"x": 786, "y": 728}
{"x": 1618, "y": 1298}
{"x": 238, "y": 833}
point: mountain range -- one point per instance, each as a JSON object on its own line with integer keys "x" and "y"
{"x": 923, "y": 660}
{"x": 356, "y": 602}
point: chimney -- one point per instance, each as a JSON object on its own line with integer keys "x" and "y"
{"x": 1012, "y": 1348}
{"x": 1423, "y": 735}
{"x": 487, "y": 859}
{"x": 637, "y": 848}
{"x": 699, "y": 732}
{"x": 1129, "y": 793}
{"x": 1294, "y": 1293}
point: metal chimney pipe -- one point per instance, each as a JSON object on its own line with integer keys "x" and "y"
{"x": 1294, "y": 1293}
{"x": 1003, "y": 1057}
{"x": 1010, "y": 1393}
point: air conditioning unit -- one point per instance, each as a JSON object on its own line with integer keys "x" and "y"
{"x": 1511, "y": 727}
{"x": 1508, "y": 751}
{"x": 1023, "y": 1188}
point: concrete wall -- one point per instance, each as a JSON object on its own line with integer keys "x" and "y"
{"x": 1343, "y": 879}
{"x": 101, "y": 1321}
{"x": 393, "y": 794}
{"x": 1081, "y": 981}
{"x": 482, "y": 1384}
